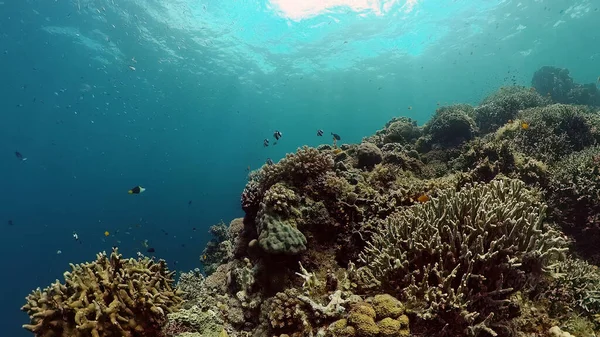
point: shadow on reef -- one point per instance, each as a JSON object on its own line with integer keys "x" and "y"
{"x": 482, "y": 222}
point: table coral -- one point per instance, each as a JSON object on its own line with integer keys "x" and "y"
{"x": 110, "y": 297}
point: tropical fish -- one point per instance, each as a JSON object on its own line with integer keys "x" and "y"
{"x": 151, "y": 250}
{"x": 106, "y": 233}
{"x": 10, "y": 222}
{"x": 423, "y": 198}
{"x": 269, "y": 161}
{"x": 265, "y": 142}
{"x": 320, "y": 133}
{"x": 410, "y": 108}
{"x": 20, "y": 156}
{"x": 136, "y": 190}
{"x": 336, "y": 136}
{"x": 524, "y": 125}
{"x": 277, "y": 135}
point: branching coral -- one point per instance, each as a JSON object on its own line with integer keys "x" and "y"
{"x": 110, "y": 297}
{"x": 464, "y": 251}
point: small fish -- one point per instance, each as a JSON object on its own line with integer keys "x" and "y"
{"x": 145, "y": 243}
{"x": 265, "y": 142}
{"x": 410, "y": 108}
{"x": 423, "y": 198}
{"x": 151, "y": 250}
{"x": 20, "y": 156}
{"x": 524, "y": 125}
{"x": 194, "y": 229}
{"x": 336, "y": 136}
{"x": 164, "y": 231}
{"x": 136, "y": 190}
{"x": 277, "y": 135}
{"x": 189, "y": 203}
{"x": 269, "y": 161}
{"x": 248, "y": 168}
{"x": 106, "y": 233}
{"x": 320, "y": 133}
{"x": 58, "y": 252}
{"x": 132, "y": 68}
{"x": 76, "y": 237}
{"x": 598, "y": 78}
{"x": 10, "y": 222}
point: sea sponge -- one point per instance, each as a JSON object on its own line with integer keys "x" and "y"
{"x": 449, "y": 253}
{"x": 110, "y": 297}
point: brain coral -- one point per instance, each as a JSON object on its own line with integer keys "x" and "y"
{"x": 450, "y": 254}
{"x": 110, "y": 297}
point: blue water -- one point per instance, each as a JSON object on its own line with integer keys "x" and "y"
{"x": 212, "y": 79}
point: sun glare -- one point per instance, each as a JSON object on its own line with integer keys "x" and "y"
{"x": 302, "y": 9}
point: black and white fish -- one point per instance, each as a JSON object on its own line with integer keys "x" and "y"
{"x": 277, "y": 135}
{"x": 336, "y": 136}
{"x": 320, "y": 133}
{"x": 265, "y": 142}
{"x": 20, "y": 156}
{"x": 269, "y": 161}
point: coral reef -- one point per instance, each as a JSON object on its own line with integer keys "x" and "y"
{"x": 456, "y": 228}
{"x": 558, "y": 84}
{"x": 111, "y": 296}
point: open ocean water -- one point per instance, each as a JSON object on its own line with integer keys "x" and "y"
{"x": 177, "y": 96}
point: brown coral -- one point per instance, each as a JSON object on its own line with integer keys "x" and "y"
{"x": 110, "y": 297}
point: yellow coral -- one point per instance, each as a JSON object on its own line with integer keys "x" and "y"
{"x": 110, "y": 297}
{"x": 387, "y": 306}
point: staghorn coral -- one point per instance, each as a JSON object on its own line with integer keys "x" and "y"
{"x": 463, "y": 252}
{"x": 503, "y": 105}
{"x": 111, "y": 296}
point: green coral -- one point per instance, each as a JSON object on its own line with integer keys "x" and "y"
{"x": 110, "y": 297}
{"x": 576, "y": 285}
{"x": 448, "y": 255}
{"x": 205, "y": 322}
{"x": 450, "y": 126}
{"x": 503, "y": 105}
{"x": 277, "y": 236}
